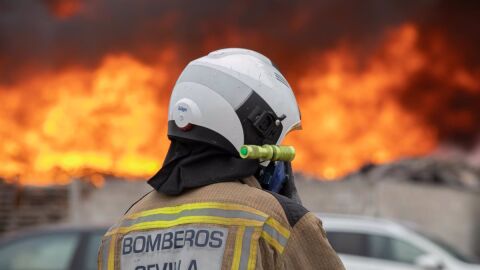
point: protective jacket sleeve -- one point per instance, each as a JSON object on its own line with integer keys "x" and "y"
{"x": 308, "y": 247}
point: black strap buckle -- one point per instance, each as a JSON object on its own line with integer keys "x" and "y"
{"x": 266, "y": 123}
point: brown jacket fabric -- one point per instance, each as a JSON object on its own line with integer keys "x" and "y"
{"x": 232, "y": 225}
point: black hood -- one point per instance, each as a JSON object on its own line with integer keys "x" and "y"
{"x": 190, "y": 164}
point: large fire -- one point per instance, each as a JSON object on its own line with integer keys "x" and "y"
{"x": 111, "y": 119}
{"x": 79, "y": 122}
{"x": 352, "y": 116}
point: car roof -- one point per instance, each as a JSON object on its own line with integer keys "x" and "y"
{"x": 363, "y": 223}
{"x": 49, "y": 229}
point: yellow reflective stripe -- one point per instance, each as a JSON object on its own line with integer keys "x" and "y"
{"x": 279, "y": 227}
{"x": 187, "y": 220}
{"x": 104, "y": 253}
{"x": 273, "y": 242}
{"x": 189, "y": 206}
{"x": 237, "y": 253}
{"x": 252, "y": 258}
{"x": 272, "y": 239}
{"x": 111, "y": 255}
{"x": 100, "y": 257}
{"x": 272, "y": 231}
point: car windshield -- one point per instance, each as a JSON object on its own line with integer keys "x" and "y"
{"x": 451, "y": 250}
{"x": 42, "y": 251}
{"x": 93, "y": 245}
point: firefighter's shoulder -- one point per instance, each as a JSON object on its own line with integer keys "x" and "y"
{"x": 293, "y": 210}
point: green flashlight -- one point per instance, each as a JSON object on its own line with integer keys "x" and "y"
{"x": 268, "y": 152}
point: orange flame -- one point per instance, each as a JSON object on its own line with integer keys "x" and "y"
{"x": 353, "y": 116}
{"x": 109, "y": 120}
{"x": 64, "y": 8}
{"x": 112, "y": 119}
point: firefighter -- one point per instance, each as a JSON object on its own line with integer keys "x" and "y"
{"x": 210, "y": 209}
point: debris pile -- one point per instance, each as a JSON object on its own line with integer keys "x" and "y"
{"x": 22, "y": 207}
{"x": 427, "y": 170}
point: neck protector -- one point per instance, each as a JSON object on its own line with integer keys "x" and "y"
{"x": 191, "y": 164}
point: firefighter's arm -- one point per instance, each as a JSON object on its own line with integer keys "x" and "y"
{"x": 308, "y": 247}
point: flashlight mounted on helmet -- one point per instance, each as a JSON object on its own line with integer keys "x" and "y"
{"x": 268, "y": 152}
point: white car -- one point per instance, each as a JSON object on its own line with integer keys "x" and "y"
{"x": 365, "y": 243}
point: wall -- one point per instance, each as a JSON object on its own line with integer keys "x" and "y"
{"x": 453, "y": 215}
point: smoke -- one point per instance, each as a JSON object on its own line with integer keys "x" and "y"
{"x": 38, "y": 36}
{"x": 53, "y": 34}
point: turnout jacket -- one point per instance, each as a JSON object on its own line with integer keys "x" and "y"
{"x": 231, "y": 225}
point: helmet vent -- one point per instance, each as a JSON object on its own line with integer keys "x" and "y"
{"x": 281, "y": 79}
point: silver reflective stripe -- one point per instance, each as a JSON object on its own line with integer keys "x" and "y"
{"x": 275, "y": 234}
{"x": 105, "y": 250}
{"x": 195, "y": 212}
{"x": 247, "y": 237}
{"x": 230, "y": 88}
{"x": 114, "y": 226}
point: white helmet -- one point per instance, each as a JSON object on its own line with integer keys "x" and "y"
{"x": 232, "y": 97}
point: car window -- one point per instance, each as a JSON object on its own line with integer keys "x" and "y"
{"x": 374, "y": 246}
{"x": 42, "y": 252}
{"x": 91, "y": 253}
{"x": 349, "y": 243}
{"x": 392, "y": 249}
{"x": 451, "y": 250}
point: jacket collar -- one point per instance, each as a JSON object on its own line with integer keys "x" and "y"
{"x": 252, "y": 182}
